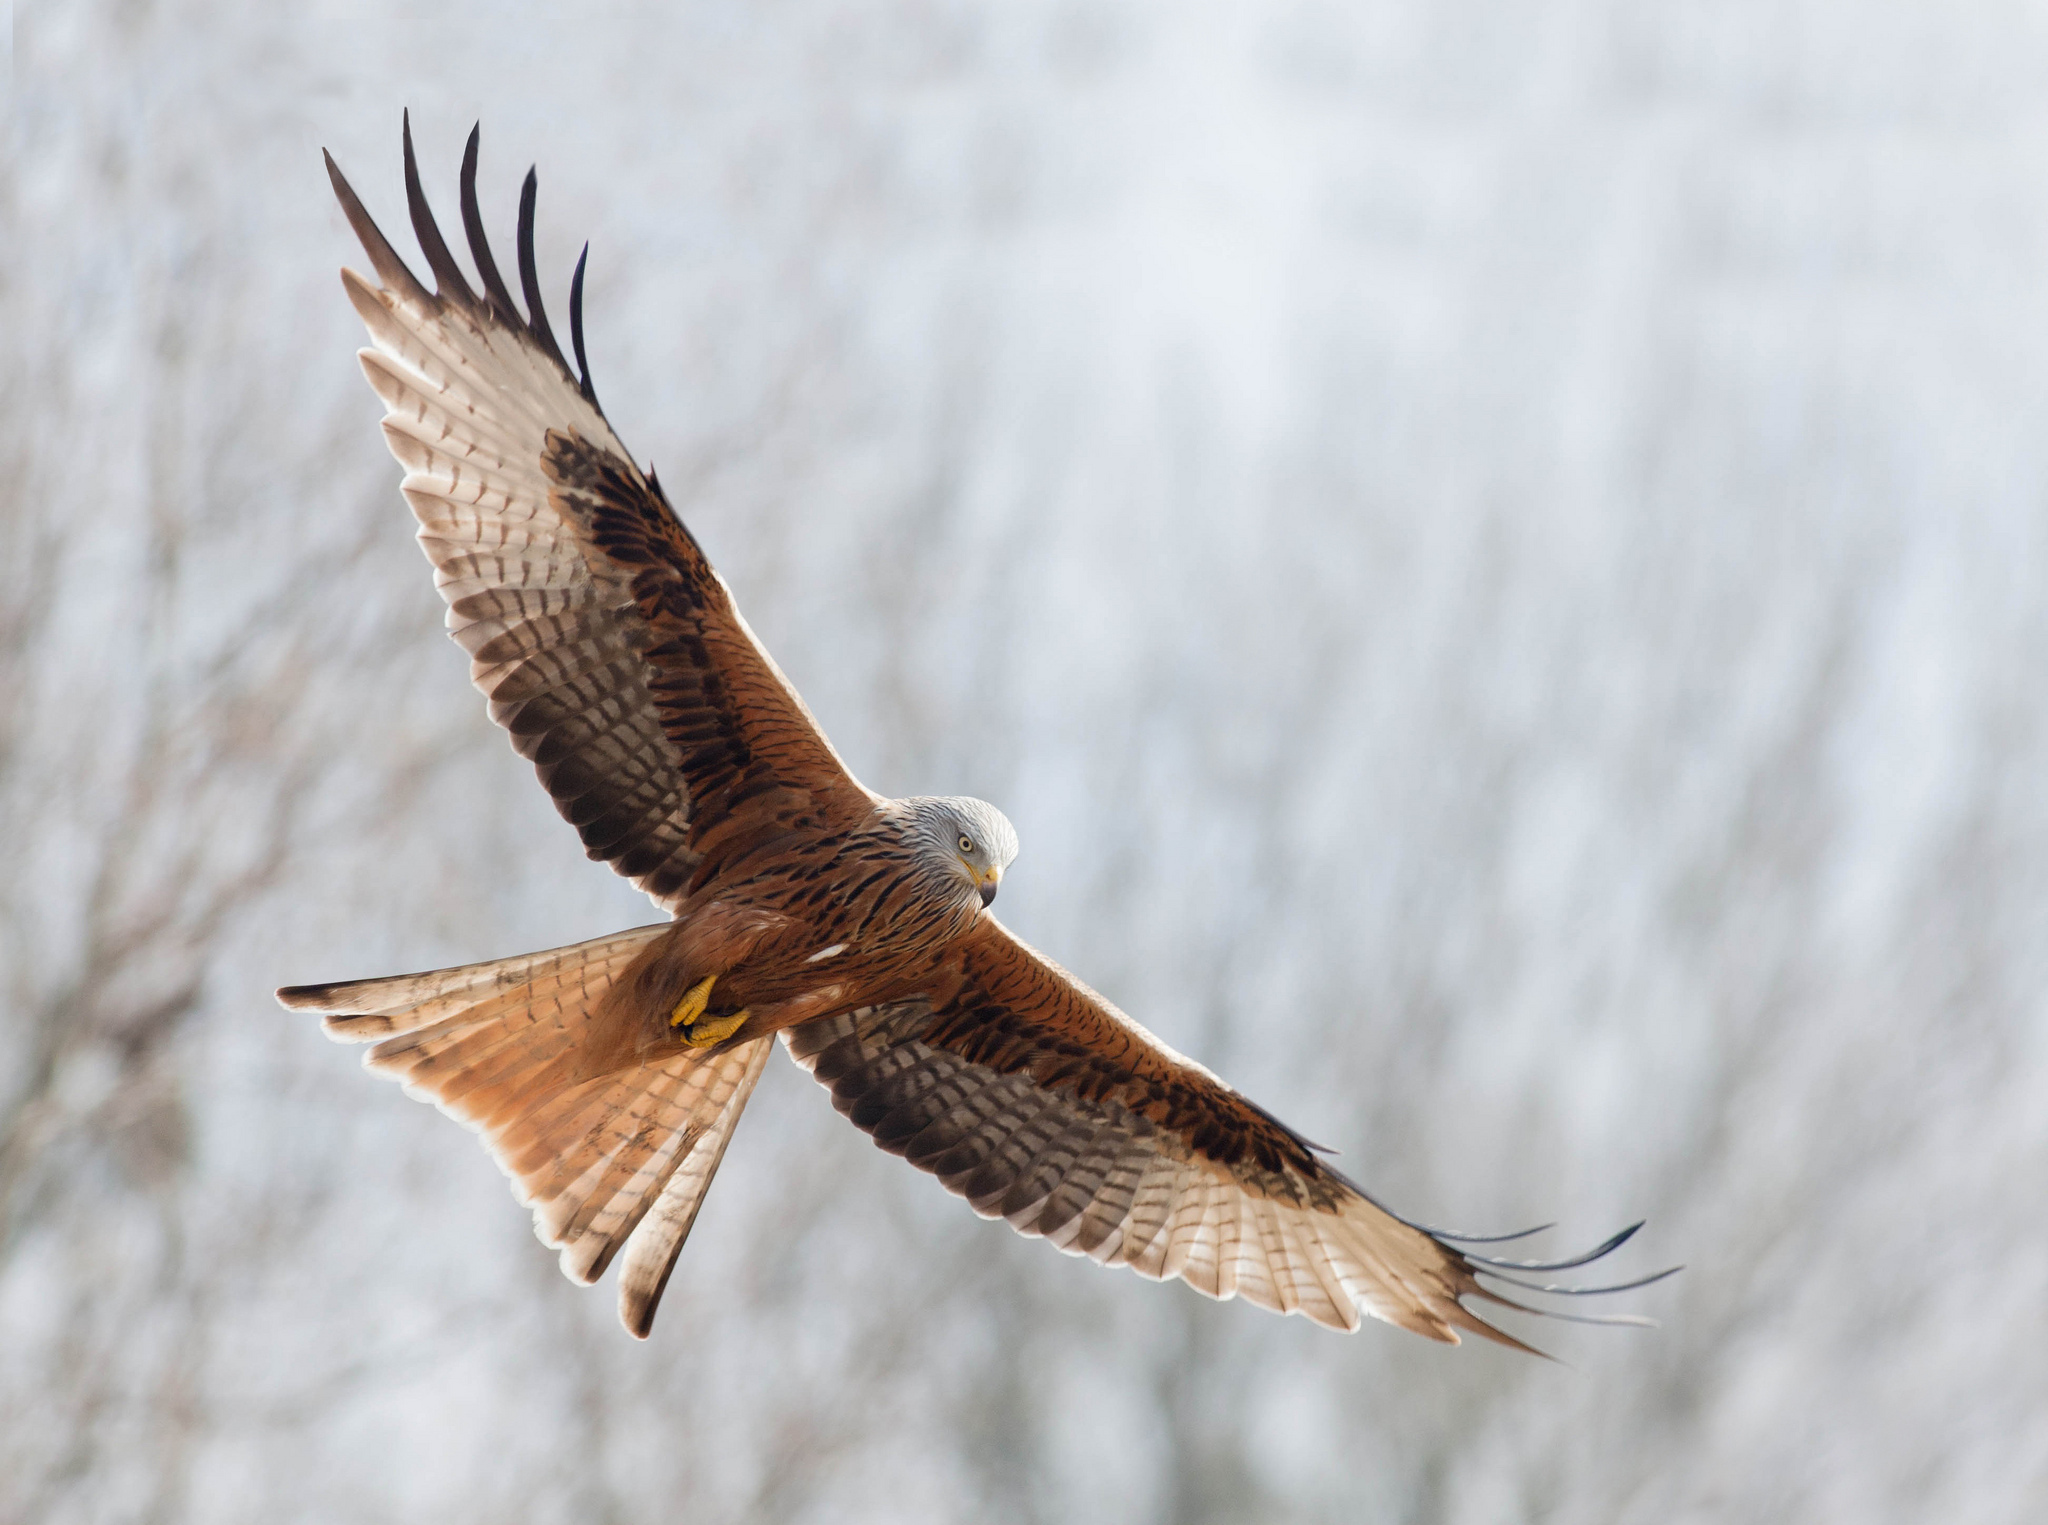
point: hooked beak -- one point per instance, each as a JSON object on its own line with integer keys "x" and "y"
{"x": 987, "y": 883}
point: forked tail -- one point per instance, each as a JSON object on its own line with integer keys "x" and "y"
{"x": 607, "y": 1161}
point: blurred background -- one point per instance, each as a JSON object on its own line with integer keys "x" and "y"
{"x": 1496, "y": 554}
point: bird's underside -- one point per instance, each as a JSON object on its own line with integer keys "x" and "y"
{"x": 606, "y": 1078}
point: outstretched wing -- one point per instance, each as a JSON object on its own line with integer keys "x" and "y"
{"x": 1039, "y": 1102}
{"x": 607, "y": 646}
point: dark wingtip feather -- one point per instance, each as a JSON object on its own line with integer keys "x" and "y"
{"x": 391, "y": 270}
{"x": 576, "y": 327}
{"x": 447, "y": 274}
{"x": 1446, "y": 1234}
{"x": 529, "y": 275}
{"x": 1588, "y": 1258}
{"x": 1555, "y": 1291}
{"x": 479, "y": 245}
{"x": 1606, "y": 1320}
{"x": 1494, "y": 1271}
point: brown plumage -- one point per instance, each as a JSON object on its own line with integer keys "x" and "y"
{"x": 607, "y": 1078}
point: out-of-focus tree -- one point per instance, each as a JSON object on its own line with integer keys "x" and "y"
{"x": 1494, "y": 553}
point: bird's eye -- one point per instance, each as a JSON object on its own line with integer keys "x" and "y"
{"x": 967, "y": 844}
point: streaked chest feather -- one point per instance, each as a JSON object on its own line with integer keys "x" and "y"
{"x": 862, "y": 910}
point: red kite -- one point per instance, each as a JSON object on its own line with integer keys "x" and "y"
{"x": 606, "y": 1078}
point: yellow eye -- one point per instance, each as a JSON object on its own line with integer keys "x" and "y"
{"x": 967, "y": 844}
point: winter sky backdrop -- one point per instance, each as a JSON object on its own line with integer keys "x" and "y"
{"x": 1497, "y": 555}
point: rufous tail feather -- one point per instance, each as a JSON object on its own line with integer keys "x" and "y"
{"x": 619, "y": 1158}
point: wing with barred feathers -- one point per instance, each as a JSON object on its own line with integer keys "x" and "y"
{"x": 607, "y": 646}
{"x": 1039, "y": 1102}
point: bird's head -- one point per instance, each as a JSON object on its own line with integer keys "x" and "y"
{"x": 968, "y": 837}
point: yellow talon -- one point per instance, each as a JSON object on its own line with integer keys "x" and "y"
{"x": 692, "y": 1005}
{"x": 714, "y": 1029}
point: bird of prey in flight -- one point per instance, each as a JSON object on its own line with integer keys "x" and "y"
{"x": 607, "y": 1078}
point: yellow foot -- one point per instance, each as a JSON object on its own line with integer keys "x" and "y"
{"x": 710, "y": 1030}
{"x": 692, "y": 1005}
